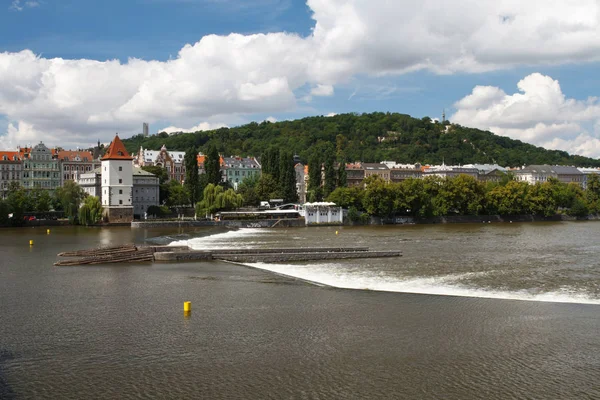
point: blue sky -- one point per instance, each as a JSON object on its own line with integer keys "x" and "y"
{"x": 379, "y": 67}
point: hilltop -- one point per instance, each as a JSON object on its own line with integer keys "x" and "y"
{"x": 372, "y": 137}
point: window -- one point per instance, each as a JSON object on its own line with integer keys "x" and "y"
{"x": 120, "y": 180}
{"x": 120, "y": 168}
{"x": 120, "y": 201}
{"x": 120, "y": 191}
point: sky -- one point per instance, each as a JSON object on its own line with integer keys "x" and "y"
{"x": 76, "y": 71}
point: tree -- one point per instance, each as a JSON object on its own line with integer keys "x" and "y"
{"x": 163, "y": 178}
{"x": 70, "y": 196}
{"x": 216, "y": 198}
{"x": 178, "y": 195}
{"x": 330, "y": 176}
{"x": 314, "y": 178}
{"x": 287, "y": 177}
{"x": 510, "y": 199}
{"x": 40, "y": 200}
{"x": 17, "y": 202}
{"x": 192, "y": 181}
{"x": 266, "y": 187}
{"x": 378, "y": 199}
{"x": 342, "y": 176}
{"x": 90, "y": 212}
{"x": 247, "y": 188}
{"x": 347, "y": 197}
{"x": 270, "y": 162}
{"x": 212, "y": 166}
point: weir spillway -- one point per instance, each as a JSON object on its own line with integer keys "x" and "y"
{"x": 133, "y": 253}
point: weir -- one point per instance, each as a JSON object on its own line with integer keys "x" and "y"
{"x": 132, "y": 253}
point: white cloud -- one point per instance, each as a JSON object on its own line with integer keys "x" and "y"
{"x": 203, "y": 126}
{"x": 271, "y": 119}
{"x": 322, "y": 90}
{"x": 18, "y": 5}
{"x": 331, "y": 114}
{"x": 539, "y": 113}
{"x": 241, "y": 75}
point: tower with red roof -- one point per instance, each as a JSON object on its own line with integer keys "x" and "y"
{"x": 117, "y": 183}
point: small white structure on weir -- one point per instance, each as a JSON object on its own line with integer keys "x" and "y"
{"x": 322, "y": 213}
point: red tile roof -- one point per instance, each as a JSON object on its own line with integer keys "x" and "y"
{"x": 9, "y": 155}
{"x": 71, "y": 155}
{"x": 117, "y": 151}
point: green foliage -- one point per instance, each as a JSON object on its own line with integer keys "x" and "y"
{"x": 355, "y": 138}
{"x": 287, "y": 177}
{"x": 216, "y": 199}
{"x": 212, "y": 166}
{"x": 163, "y": 177}
{"x": 342, "y": 176}
{"x": 70, "y": 196}
{"x": 314, "y": 189}
{"x": 347, "y": 197}
{"x": 267, "y": 188}
{"x": 90, "y": 212}
{"x": 178, "y": 194}
{"x": 270, "y": 162}
{"x": 192, "y": 180}
{"x": 330, "y": 175}
{"x": 247, "y": 188}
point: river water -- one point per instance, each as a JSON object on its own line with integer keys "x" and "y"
{"x": 517, "y": 316}
{"x": 553, "y": 261}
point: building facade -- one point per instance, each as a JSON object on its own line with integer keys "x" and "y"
{"x": 355, "y": 174}
{"x": 235, "y": 169}
{"x": 172, "y": 161}
{"x": 373, "y": 169}
{"x": 75, "y": 163}
{"x": 533, "y": 174}
{"x": 398, "y": 175}
{"x": 322, "y": 213}
{"x": 117, "y": 183}
{"x": 11, "y": 170}
{"x": 41, "y": 168}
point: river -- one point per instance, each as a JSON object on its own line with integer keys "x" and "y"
{"x": 496, "y": 311}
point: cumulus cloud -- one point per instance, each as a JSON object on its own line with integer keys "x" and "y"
{"x": 18, "y": 5}
{"x": 79, "y": 100}
{"x": 538, "y": 113}
{"x": 322, "y": 90}
{"x": 203, "y": 126}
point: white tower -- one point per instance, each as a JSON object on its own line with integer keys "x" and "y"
{"x": 117, "y": 183}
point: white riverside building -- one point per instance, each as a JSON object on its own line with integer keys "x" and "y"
{"x": 145, "y": 188}
{"x": 322, "y": 213}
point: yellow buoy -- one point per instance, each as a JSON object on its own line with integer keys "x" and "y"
{"x": 187, "y": 306}
{"x": 336, "y": 232}
{"x": 47, "y": 231}
{"x": 31, "y": 242}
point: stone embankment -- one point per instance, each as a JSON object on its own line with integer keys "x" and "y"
{"x": 261, "y": 223}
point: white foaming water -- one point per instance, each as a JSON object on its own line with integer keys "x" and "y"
{"x": 336, "y": 276}
{"x": 225, "y": 240}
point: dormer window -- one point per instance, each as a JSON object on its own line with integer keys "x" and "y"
{"x": 120, "y": 153}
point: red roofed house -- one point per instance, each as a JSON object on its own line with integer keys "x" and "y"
{"x": 75, "y": 163}
{"x": 117, "y": 183}
{"x": 11, "y": 167}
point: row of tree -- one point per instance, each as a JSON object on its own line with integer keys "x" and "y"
{"x": 70, "y": 199}
{"x": 464, "y": 195}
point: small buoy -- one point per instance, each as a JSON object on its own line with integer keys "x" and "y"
{"x": 489, "y": 222}
{"x": 511, "y": 222}
{"x": 31, "y": 242}
{"x": 187, "y": 306}
{"x": 47, "y": 231}
{"x": 336, "y": 232}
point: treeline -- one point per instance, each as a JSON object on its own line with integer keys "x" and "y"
{"x": 464, "y": 195}
{"x": 77, "y": 206}
{"x": 370, "y": 137}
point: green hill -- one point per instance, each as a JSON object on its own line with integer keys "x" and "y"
{"x": 370, "y": 137}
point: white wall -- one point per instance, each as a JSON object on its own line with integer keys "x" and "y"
{"x": 117, "y": 183}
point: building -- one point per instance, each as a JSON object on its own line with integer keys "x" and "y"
{"x": 145, "y": 191}
{"x": 355, "y": 174}
{"x": 41, "y": 168}
{"x": 322, "y": 213}
{"x": 117, "y": 183}
{"x": 533, "y": 174}
{"x": 172, "y": 161}
{"x": 587, "y": 172}
{"x": 235, "y": 169}
{"x": 145, "y": 129}
{"x": 11, "y": 170}
{"x": 445, "y": 171}
{"x": 373, "y": 169}
{"x": 301, "y": 181}
{"x": 401, "y": 174}
{"x": 74, "y": 163}
{"x": 145, "y": 188}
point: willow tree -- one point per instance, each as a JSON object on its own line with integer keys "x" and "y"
{"x": 90, "y": 212}
{"x": 216, "y": 199}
